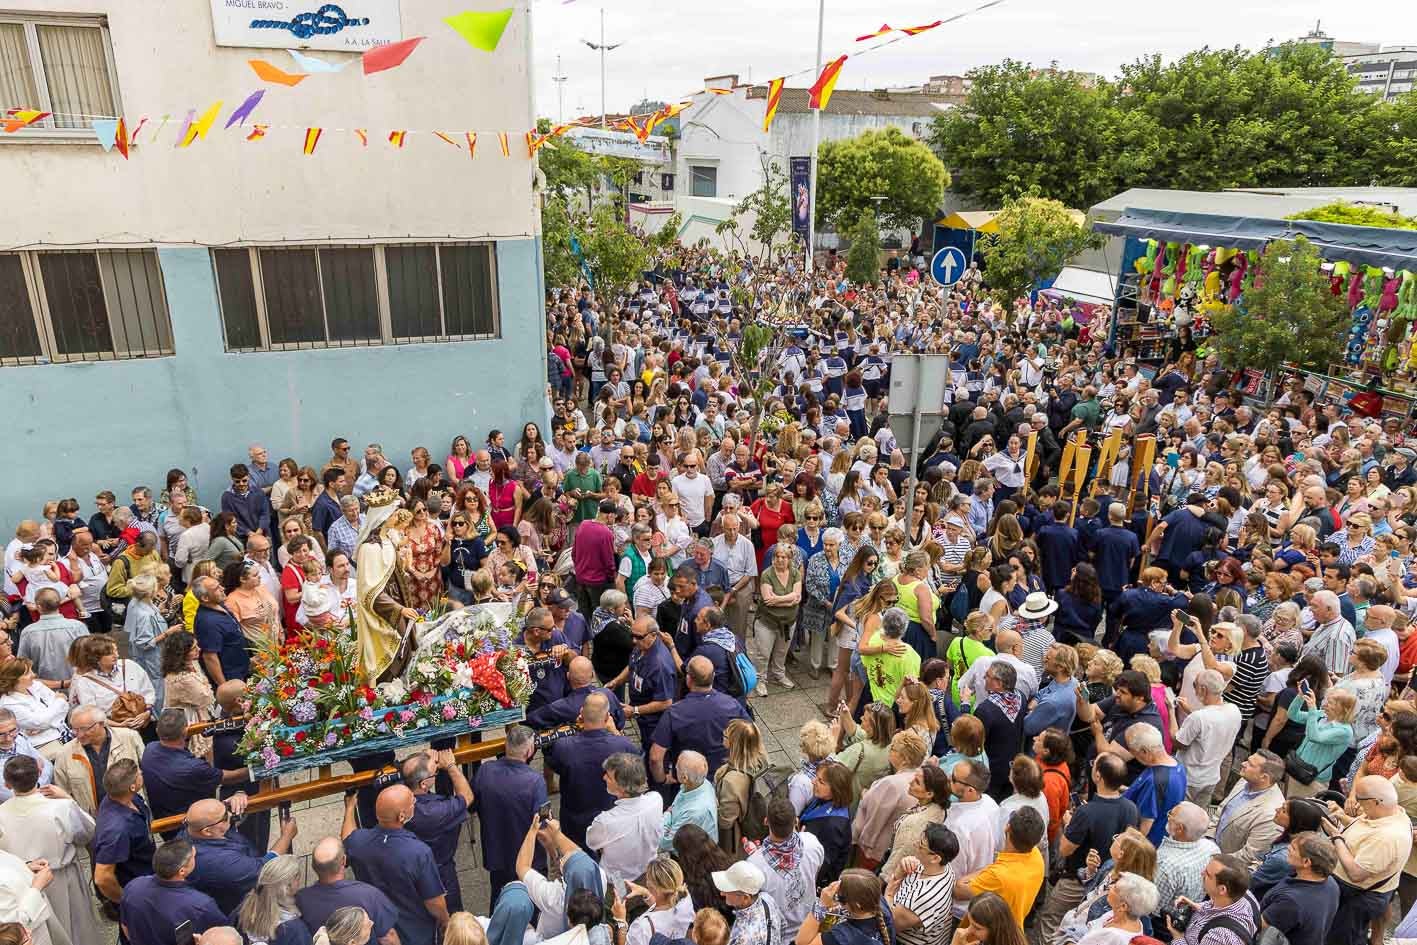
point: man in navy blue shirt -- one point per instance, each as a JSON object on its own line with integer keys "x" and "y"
{"x": 175, "y": 778}
{"x": 653, "y": 677}
{"x": 580, "y": 678}
{"x": 227, "y": 864}
{"x": 154, "y": 906}
{"x": 1115, "y": 553}
{"x": 697, "y": 721}
{"x": 507, "y": 793}
{"x": 250, "y": 506}
{"x": 326, "y": 510}
{"x": 678, "y": 616}
{"x": 390, "y": 857}
{"x": 334, "y": 890}
{"x": 569, "y": 621}
{"x": 219, "y": 636}
{"x": 719, "y": 645}
{"x": 1059, "y": 549}
{"x": 1178, "y": 534}
{"x": 123, "y": 845}
{"x": 578, "y": 759}
{"x": 438, "y": 819}
{"x": 548, "y": 653}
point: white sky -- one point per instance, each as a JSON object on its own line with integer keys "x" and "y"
{"x": 670, "y": 46}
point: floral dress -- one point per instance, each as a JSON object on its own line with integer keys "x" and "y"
{"x": 424, "y": 592}
{"x": 820, "y": 587}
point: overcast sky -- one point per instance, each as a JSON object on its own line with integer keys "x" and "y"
{"x": 670, "y": 46}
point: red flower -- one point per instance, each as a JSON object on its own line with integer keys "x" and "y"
{"x": 288, "y": 692}
{"x": 327, "y": 677}
{"x": 462, "y": 651}
{"x": 312, "y": 682}
{"x": 322, "y": 644}
{"x": 285, "y": 750}
{"x": 300, "y": 737}
{"x": 391, "y": 717}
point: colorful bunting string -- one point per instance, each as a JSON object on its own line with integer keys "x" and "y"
{"x": 382, "y": 58}
{"x": 269, "y": 73}
{"x": 244, "y": 110}
{"x": 312, "y": 139}
{"x": 481, "y": 30}
{"x": 200, "y": 127}
{"x": 17, "y": 118}
{"x": 821, "y": 90}
{"x": 774, "y": 99}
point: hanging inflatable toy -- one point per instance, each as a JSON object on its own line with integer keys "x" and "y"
{"x": 1402, "y": 318}
{"x": 1364, "y": 315}
{"x": 1388, "y": 302}
{"x": 1146, "y": 263}
{"x": 1237, "y": 277}
{"x": 1355, "y": 289}
{"x": 1173, "y": 256}
{"x": 1157, "y": 270}
{"x": 1340, "y": 273}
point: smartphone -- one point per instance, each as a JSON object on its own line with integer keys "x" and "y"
{"x": 545, "y": 813}
{"x": 284, "y": 813}
{"x": 1173, "y": 460}
{"x": 182, "y": 935}
{"x": 1304, "y": 687}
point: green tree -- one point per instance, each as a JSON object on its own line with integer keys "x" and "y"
{"x": 863, "y": 259}
{"x": 562, "y": 267}
{"x": 1356, "y": 215}
{"x": 616, "y": 256}
{"x": 1288, "y": 315}
{"x": 1036, "y": 239}
{"x": 1022, "y": 131}
{"x": 666, "y": 236}
{"x": 568, "y": 170}
{"x": 884, "y": 163}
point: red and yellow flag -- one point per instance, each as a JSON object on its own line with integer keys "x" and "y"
{"x": 257, "y": 132}
{"x": 917, "y": 30}
{"x": 532, "y": 143}
{"x": 821, "y": 90}
{"x": 774, "y": 99}
{"x": 443, "y": 137}
{"x": 312, "y": 139}
{"x": 363, "y": 135}
{"x": 396, "y": 138}
{"x": 472, "y": 144}
{"x": 885, "y": 28}
{"x": 505, "y": 142}
{"x": 17, "y": 118}
{"x": 120, "y": 140}
{"x": 719, "y": 91}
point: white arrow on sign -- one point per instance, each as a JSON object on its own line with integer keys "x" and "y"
{"x": 949, "y": 263}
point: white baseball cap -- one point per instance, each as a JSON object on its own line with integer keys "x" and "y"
{"x": 742, "y": 877}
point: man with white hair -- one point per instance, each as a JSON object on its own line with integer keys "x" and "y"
{"x": 1333, "y": 637}
{"x": 626, "y": 836}
{"x": 1182, "y": 856}
{"x": 1372, "y": 849}
{"x": 696, "y": 803}
{"x": 1206, "y": 737}
{"x": 1161, "y": 786}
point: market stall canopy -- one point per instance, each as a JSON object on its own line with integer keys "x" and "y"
{"x": 1084, "y": 285}
{"x": 1364, "y": 245}
{"x": 979, "y": 220}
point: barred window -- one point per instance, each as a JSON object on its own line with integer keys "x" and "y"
{"x": 57, "y": 64}
{"x": 280, "y": 298}
{"x": 82, "y": 305}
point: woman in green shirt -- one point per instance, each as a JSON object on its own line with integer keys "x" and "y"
{"x": 866, "y": 748}
{"x": 968, "y": 647}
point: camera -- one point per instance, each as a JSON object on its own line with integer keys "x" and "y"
{"x": 1179, "y": 914}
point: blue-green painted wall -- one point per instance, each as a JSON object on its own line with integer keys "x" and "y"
{"x": 77, "y": 428}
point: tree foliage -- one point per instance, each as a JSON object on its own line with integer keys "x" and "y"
{"x": 863, "y": 260}
{"x": 1290, "y": 115}
{"x": 1036, "y": 238}
{"x": 1289, "y": 314}
{"x": 885, "y": 163}
{"x": 562, "y": 267}
{"x": 1356, "y": 215}
{"x": 616, "y": 256}
{"x": 569, "y": 171}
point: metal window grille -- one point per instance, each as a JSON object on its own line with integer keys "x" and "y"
{"x": 704, "y": 181}
{"x": 57, "y": 64}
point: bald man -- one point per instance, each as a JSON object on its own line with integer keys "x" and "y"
{"x": 695, "y": 723}
{"x": 580, "y": 677}
{"x": 227, "y": 864}
{"x": 1371, "y": 850}
{"x": 390, "y": 858}
{"x": 255, "y": 826}
{"x": 333, "y": 890}
{"x": 578, "y": 760}
{"x": 438, "y": 818}
{"x": 1008, "y": 645}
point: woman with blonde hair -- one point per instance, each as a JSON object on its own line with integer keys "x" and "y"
{"x": 733, "y": 781}
{"x": 671, "y": 910}
{"x": 269, "y": 913}
{"x": 146, "y": 629}
{"x": 1162, "y": 697}
{"x": 913, "y": 701}
{"x": 1328, "y": 732}
{"x": 865, "y": 747}
{"x": 1130, "y": 852}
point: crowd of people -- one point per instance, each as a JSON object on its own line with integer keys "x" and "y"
{"x": 1170, "y": 705}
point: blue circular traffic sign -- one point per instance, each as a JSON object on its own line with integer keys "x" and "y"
{"x": 947, "y": 266}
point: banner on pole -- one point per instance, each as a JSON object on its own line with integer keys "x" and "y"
{"x": 801, "y": 192}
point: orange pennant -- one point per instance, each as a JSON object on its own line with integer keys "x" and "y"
{"x": 471, "y": 143}
{"x": 120, "y": 140}
{"x": 363, "y": 136}
{"x": 257, "y": 132}
{"x": 885, "y": 28}
{"x": 821, "y": 90}
{"x": 531, "y": 144}
{"x": 774, "y": 99}
{"x": 443, "y": 137}
{"x": 312, "y": 139}
{"x": 503, "y": 140}
{"x": 917, "y": 30}
{"x": 17, "y": 118}
{"x": 270, "y": 73}
{"x": 719, "y": 91}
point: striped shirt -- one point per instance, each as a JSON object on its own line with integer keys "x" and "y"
{"x": 1333, "y": 642}
{"x": 929, "y": 898}
{"x": 1251, "y": 671}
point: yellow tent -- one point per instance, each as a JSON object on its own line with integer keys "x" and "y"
{"x": 981, "y": 221}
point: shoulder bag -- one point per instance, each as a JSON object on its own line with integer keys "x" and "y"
{"x": 128, "y": 705}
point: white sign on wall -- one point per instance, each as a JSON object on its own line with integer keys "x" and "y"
{"x": 621, "y": 144}
{"x": 347, "y": 25}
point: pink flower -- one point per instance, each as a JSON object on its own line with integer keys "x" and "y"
{"x": 405, "y": 716}
{"x": 450, "y": 712}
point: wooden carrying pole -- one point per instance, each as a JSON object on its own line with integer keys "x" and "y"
{"x": 465, "y": 752}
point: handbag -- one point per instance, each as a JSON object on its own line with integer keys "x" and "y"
{"x": 127, "y": 706}
{"x": 1299, "y": 769}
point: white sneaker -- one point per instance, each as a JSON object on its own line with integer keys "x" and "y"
{"x": 784, "y": 682}
{"x": 760, "y": 691}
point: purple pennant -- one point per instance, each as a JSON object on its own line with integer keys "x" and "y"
{"x": 245, "y": 109}
{"x": 186, "y": 123}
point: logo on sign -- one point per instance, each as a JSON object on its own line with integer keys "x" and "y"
{"x": 947, "y": 266}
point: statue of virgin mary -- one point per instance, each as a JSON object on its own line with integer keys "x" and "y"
{"x": 382, "y": 620}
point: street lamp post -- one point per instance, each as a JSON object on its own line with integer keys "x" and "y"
{"x": 816, "y": 139}
{"x": 602, "y": 47}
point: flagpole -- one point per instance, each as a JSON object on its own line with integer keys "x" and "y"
{"x": 816, "y": 139}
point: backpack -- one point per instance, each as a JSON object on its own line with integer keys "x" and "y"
{"x": 959, "y": 603}
{"x": 744, "y": 674}
{"x": 763, "y": 788}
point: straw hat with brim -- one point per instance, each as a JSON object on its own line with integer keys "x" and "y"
{"x": 1036, "y": 606}
{"x": 742, "y": 877}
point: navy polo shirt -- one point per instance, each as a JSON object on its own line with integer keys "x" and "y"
{"x": 403, "y": 867}
{"x": 121, "y": 839}
{"x": 723, "y": 668}
{"x": 568, "y": 709}
{"x": 1115, "y": 549}
{"x": 1058, "y": 550}
{"x": 153, "y": 908}
{"x": 507, "y": 795}
{"x": 437, "y": 821}
{"x": 652, "y": 679}
{"x": 1184, "y": 534}
{"x": 576, "y": 631}
{"x": 317, "y": 902}
{"x": 227, "y": 868}
{"x": 175, "y": 779}
{"x": 696, "y": 723}
{"x": 578, "y": 760}
{"x": 218, "y": 632}
{"x": 548, "y": 677}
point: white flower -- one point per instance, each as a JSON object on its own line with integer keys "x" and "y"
{"x": 426, "y": 668}
{"x": 463, "y": 677}
{"x": 393, "y": 691}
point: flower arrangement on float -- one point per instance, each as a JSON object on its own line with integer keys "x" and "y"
{"x": 309, "y": 704}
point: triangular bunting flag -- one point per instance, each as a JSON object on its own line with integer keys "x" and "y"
{"x": 442, "y": 137}
{"x": 396, "y": 138}
{"x": 106, "y": 129}
{"x": 17, "y": 118}
{"x": 363, "y": 136}
{"x": 502, "y": 139}
{"x": 120, "y": 139}
{"x": 821, "y": 90}
{"x": 200, "y": 127}
{"x": 719, "y": 91}
{"x": 312, "y": 139}
{"x": 885, "y": 28}
{"x": 471, "y": 144}
{"x": 186, "y": 126}
{"x": 917, "y": 30}
{"x": 244, "y": 110}
{"x": 481, "y": 30}
{"x": 257, "y": 132}
{"x": 311, "y": 64}
{"x": 774, "y": 99}
{"x": 269, "y": 73}
{"x": 390, "y": 56}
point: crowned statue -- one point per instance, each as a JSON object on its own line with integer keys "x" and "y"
{"x": 383, "y": 621}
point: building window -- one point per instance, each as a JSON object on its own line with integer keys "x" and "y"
{"x": 705, "y": 181}
{"x": 666, "y": 181}
{"x": 639, "y": 177}
{"x": 82, "y": 306}
{"x": 62, "y": 65}
{"x": 283, "y": 299}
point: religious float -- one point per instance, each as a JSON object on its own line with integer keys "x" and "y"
{"x": 386, "y": 676}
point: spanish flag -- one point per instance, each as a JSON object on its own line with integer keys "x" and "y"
{"x": 885, "y": 28}
{"x": 719, "y": 91}
{"x": 472, "y": 144}
{"x": 503, "y": 140}
{"x": 917, "y": 30}
{"x": 312, "y": 139}
{"x": 532, "y": 143}
{"x": 821, "y": 90}
{"x": 774, "y": 98}
{"x": 120, "y": 139}
{"x": 363, "y": 136}
{"x": 257, "y": 132}
{"x": 396, "y": 138}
